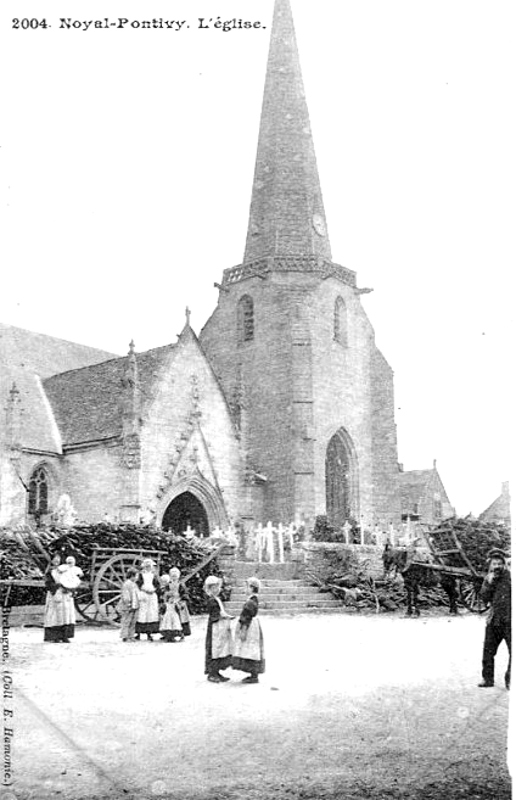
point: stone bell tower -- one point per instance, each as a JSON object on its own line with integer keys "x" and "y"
{"x": 290, "y": 332}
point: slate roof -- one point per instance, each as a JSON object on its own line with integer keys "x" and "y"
{"x": 38, "y": 429}
{"x": 413, "y": 487}
{"x": 500, "y": 509}
{"x": 25, "y": 357}
{"x": 87, "y": 402}
{"x": 417, "y": 487}
{"x": 45, "y": 355}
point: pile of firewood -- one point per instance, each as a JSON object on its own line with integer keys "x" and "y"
{"x": 363, "y": 593}
{"x": 478, "y": 538}
{"x": 352, "y": 583}
{"x": 26, "y": 554}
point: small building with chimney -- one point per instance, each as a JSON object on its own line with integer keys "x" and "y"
{"x": 423, "y": 496}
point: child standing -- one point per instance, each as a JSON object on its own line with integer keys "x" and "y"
{"x": 129, "y": 605}
{"x": 218, "y": 633}
{"x": 182, "y": 601}
{"x": 248, "y": 652}
{"x": 147, "y": 620}
{"x": 171, "y": 626}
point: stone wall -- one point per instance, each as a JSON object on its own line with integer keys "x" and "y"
{"x": 302, "y": 386}
{"x": 386, "y": 497}
{"x": 96, "y": 482}
{"x": 318, "y": 554}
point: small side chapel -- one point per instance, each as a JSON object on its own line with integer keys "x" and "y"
{"x": 281, "y": 409}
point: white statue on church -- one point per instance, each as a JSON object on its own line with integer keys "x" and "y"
{"x": 65, "y": 513}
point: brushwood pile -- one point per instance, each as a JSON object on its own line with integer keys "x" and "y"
{"x": 24, "y": 555}
{"x": 351, "y": 582}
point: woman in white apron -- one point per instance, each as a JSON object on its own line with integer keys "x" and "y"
{"x": 61, "y": 581}
{"x": 248, "y": 650}
{"x": 218, "y": 633}
{"x": 149, "y": 589}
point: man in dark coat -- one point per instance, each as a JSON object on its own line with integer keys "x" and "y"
{"x": 496, "y": 591}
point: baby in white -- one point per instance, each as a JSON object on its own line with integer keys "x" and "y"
{"x": 69, "y": 574}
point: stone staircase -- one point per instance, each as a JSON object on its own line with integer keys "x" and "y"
{"x": 282, "y": 592}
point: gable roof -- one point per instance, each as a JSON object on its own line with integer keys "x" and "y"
{"x": 500, "y": 509}
{"x": 418, "y": 486}
{"x": 87, "y": 402}
{"x": 44, "y": 355}
{"x": 413, "y": 487}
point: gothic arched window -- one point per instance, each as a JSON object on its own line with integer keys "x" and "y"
{"x": 340, "y": 322}
{"x": 38, "y": 492}
{"x": 341, "y": 488}
{"x": 245, "y": 319}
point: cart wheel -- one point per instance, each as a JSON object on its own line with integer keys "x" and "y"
{"x": 85, "y": 605}
{"x": 107, "y": 586}
{"x": 470, "y": 596}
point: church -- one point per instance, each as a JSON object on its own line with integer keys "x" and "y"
{"x": 281, "y": 409}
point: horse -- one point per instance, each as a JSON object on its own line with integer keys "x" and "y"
{"x": 416, "y": 574}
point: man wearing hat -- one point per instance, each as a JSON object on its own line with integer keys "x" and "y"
{"x": 496, "y": 591}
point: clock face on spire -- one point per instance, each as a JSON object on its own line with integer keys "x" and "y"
{"x": 319, "y": 224}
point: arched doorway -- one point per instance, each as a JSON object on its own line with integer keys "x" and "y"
{"x": 186, "y": 510}
{"x": 341, "y": 501}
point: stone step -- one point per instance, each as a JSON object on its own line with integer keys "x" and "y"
{"x": 293, "y": 612}
{"x": 281, "y": 592}
{"x": 276, "y": 586}
{"x": 298, "y": 610}
{"x": 301, "y": 594}
{"x": 267, "y": 583}
{"x": 246, "y": 569}
{"x": 314, "y": 602}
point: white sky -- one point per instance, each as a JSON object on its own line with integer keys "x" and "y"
{"x": 129, "y": 158}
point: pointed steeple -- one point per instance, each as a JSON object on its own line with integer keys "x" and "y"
{"x": 287, "y": 213}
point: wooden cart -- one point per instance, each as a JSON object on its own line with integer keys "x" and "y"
{"x": 450, "y": 559}
{"x": 98, "y": 596}
{"x": 97, "y": 601}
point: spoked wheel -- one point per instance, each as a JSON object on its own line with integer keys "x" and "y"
{"x": 470, "y": 595}
{"x": 85, "y": 605}
{"x": 107, "y": 586}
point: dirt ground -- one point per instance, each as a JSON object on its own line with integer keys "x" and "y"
{"x": 349, "y": 707}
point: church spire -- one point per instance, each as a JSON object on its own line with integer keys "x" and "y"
{"x": 287, "y": 213}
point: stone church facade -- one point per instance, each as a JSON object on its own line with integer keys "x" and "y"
{"x": 281, "y": 409}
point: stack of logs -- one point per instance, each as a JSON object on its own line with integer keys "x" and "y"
{"x": 25, "y": 554}
{"x": 351, "y": 583}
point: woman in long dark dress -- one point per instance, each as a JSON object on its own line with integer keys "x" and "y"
{"x": 218, "y": 633}
{"x": 248, "y": 650}
{"x": 59, "y": 618}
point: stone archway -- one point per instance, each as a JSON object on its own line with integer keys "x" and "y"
{"x": 186, "y": 510}
{"x": 201, "y": 493}
{"x": 341, "y": 480}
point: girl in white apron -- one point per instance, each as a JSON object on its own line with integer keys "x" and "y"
{"x": 248, "y": 651}
{"x": 218, "y": 633}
